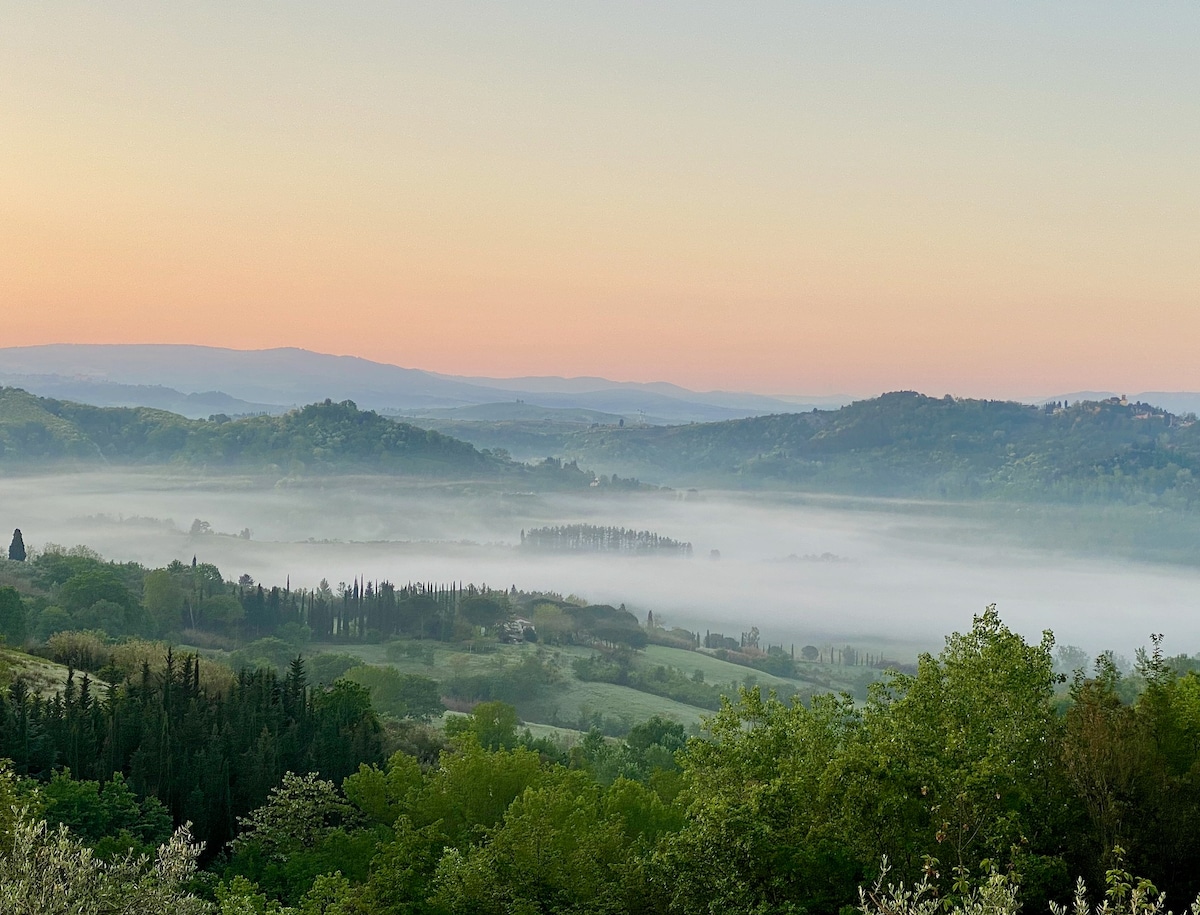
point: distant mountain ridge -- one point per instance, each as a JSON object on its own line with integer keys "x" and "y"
{"x": 279, "y": 379}
{"x": 198, "y": 405}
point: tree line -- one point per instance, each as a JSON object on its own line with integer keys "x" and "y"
{"x": 209, "y": 756}
{"x": 591, "y": 538}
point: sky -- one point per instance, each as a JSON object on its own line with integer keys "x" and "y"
{"x": 979, "y": 199}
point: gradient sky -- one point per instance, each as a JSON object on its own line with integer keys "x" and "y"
{"x": 985, "y": 199}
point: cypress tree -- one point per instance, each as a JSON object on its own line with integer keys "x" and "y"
{"x": 16, "y": 550}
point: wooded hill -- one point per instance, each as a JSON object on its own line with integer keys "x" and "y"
{"x": 907, "y": 444}
{"x": 320, "y": 437}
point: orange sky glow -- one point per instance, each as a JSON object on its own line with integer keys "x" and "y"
{"x": 795, "y": 199}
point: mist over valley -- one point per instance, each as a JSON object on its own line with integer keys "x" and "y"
{"x": 876, "y": 573}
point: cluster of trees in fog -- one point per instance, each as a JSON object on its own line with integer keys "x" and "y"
{"x": 592, "y": 538}
{"x": 981, "y": 773}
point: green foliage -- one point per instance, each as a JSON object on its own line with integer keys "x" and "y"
{"x": 295, "y": 814}
{"x": 13, "y": 627}
{"x": 346, "y": 731}
{"x": 49, "y": 872}
{"x": 483, "y": 612}
{"x": 402, "y": 695}
{"x": 524, "y": 680}
{"x": 984, "y": 703}
{"x": 761, "y": 807}
{"x": 554, "y": 851}
{"x": 973, "y": 763}
{"x": 471, "y": 789}
{"x": 607, "y": 625}
{"x": 9, "y": 800}
{"x": 384, "y": 795}
{"x": 995, "y": 894}
{"x": 86, "y": 650}
{"x": 269, "y": 652}
{"x": 207, "y": 757}
{"x": 83, "y": 589}
{"x": 329, "y": 666}
{"x": 492, "y": 725}
{"x": 108, "y": 817}
{"x": 299, "y": 834}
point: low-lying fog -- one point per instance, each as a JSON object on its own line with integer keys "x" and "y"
{"x": 801, "y": 572}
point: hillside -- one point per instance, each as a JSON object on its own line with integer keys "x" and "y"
{"x": 40, "y": 677}
{"x": 906, "y": 444}
{"x": 320, "y": 437}
{"x": 899, "y": 445}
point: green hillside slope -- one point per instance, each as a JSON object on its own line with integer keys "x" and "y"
{"x": 320, "y": 437}
{"x": 907, "y": 444}
{"x": 40, "y": 677}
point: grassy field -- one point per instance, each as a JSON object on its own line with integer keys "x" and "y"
{"x": 575, "y": 705}
{"x": 45, "y": 678}
{"x": 823, "y": 677}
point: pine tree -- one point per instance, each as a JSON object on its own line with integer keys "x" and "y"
{"x": 16, "y": 550}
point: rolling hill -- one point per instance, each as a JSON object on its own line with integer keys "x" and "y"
{"x": 321, "y": 437}
{"x": 907, "y": 444}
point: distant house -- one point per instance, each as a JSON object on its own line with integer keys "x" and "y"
{"x": 518, "y": 630}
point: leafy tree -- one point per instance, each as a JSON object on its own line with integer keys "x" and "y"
{"x": 483, "y": 612}
{"x": 760, "y": 805}
{"x": 85, "y": 588}
{"x": 163, "y": 596}
{"x": 49, "y": 872}
{"x": 555, "y": 851}
{"x": 86, "y": 649}
{"x": 298, "y": 834}
{"x": 493, "y": 725}
{"x": 995, "y": 782}
{"x": 384, "y": 795}
{"x": 471, "y": 788}
{"x": 402, "y": 695}
{"x": 109, "y": 817}
{"x": 12, "y": 617}
{"x": 346, "y": 731}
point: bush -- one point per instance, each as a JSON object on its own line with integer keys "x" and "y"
{"x": 84, "y": 650}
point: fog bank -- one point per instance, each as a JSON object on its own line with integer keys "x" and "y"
{"x": 802, "y": 572}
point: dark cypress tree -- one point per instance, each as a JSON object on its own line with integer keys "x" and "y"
{"x": 16, "y": 550}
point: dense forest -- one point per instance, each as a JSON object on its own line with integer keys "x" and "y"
{"x": 311, "y": 785}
